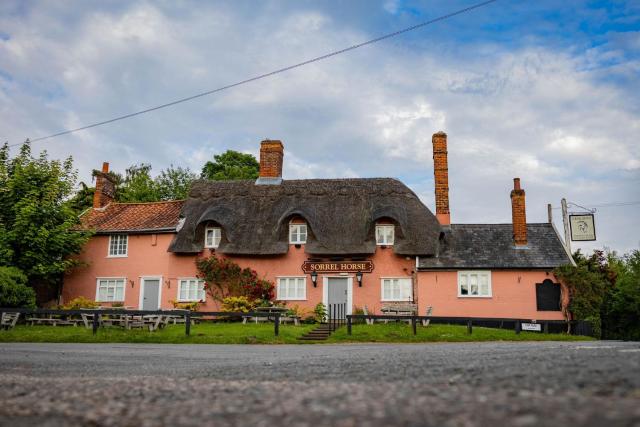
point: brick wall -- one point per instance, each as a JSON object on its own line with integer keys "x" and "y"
{"x": 518, "y": 214}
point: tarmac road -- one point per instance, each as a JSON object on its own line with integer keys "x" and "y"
{"x": 467, "y": 384}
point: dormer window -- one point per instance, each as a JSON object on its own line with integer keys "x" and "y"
{"x": 212, "y": 236}
{"x": 384, "y": 234}
{"x": 297, "y": 234}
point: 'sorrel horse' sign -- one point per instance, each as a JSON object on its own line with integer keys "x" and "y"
{"x": 337, "y": 267}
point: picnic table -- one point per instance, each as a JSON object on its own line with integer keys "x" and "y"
{"x": 271, "y": 310}
{"x": 129, "y": 321}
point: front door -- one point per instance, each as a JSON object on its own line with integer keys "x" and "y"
{"x": 150, "y": 294}
{"x": 338, "y": 293}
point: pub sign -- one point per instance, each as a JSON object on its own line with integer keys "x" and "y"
{"x": 582, "y": 227}
{"x": 337, "y": 266}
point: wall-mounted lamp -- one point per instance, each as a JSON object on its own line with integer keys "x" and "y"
{"x": 168, "y": 283}
{"x": 314, "y": 278}
{"x": 359, "y": 278}
{"x": 131, "y": 282}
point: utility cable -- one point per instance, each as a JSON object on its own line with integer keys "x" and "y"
{"x": 269, "y": 74}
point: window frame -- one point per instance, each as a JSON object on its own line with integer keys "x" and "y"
{"x": 292, "y": 226}
{"x": 467, "y": 273}
{"x": 126, "y": 246}
{"x": 206, "y": 233}
{"x": 408, "y": 279}
{"x": 393, "y": 234}
{"x": 297, "y": 297}
{"x": 198, "y": 281}
{"x": 124, "y": 288}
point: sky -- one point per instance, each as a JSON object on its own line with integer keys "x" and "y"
{"x": 548, "y": 91}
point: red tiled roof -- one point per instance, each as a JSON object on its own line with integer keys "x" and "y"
{"x": 133, "y": 217}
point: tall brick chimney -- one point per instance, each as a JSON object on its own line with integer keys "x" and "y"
{"x": 441, "y": 177}
{"x": 518, "y": 214}
{"x": 105, "y": 188}
{"x": 271, "y": 156}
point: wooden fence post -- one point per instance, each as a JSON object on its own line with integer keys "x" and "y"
{"x": 96, "y": 322}
{"x": 348, "y": 325}
{"x": 413, "y": 325}
{"x": 187, "y": 323}
{"x": 469, "y": 326}
{"x": 276, "y": 327}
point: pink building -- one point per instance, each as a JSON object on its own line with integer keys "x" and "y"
{"x": 364, "y": 242}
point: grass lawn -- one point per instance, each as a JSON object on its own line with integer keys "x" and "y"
{"x": 401, "y": 332}
{"x": 237, "y": 333}
{"x": 203, "y": 333}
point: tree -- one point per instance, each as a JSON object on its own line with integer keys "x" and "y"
{"x": 37, "y": 226}
{"x": 231, "y": 165}
{"x": 174, "y": 183}
{"x": 83, "y": 199}
{"x": 137, "y": 185}
{"x": 14, "y": 291}
{"x": 621, "y": 311}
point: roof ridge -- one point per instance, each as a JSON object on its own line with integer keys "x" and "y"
{"x": 149, "y": 203}
{"x": 500, "y": 223}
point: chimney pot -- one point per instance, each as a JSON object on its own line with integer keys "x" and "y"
{"x": 441, "y": 177}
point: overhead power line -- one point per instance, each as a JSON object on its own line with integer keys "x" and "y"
{"x": 269, "y": 74}
{"x": 609, "y": 205}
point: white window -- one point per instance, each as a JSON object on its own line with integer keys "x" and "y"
{"x": 212, "y": 237}
{"x": 118, "y": 245}
{"x": 292, "y": 288}
{"x": 397, "y": 289}
{"x": 384, "y": 234}
{"x": 110, "y": 290}
{"x": 297, "y": 234}
{"x": 474, "y": 283}
{"x": 191, "y": 289}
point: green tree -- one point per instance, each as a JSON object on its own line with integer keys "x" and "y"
{"x": 37, "y": 226}
{"x": 14, "y": 291}
{"x": 137, "y": 185}
{"x": 174, "y": 183}
{"x": 231, "y": 165}
{"x": 83, "y": 199}
{"x": 621, "y": 312}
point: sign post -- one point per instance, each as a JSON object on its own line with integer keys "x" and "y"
{"x": 565, "y": 222}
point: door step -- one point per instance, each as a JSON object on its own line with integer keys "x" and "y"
{"x": 320, "y": 333}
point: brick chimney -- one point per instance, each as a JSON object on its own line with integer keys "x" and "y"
{"x": 271, "y": 155}
{"x": 441, "y": 177}
{"x": 518, "y": 214}
{"x": 105, "y": 188}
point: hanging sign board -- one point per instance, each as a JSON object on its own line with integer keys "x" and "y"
{"x": 536, "y": 327}
{"x": 337, "y": 266}
{"x": 582, "y": 227}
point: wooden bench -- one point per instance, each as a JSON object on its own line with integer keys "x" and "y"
{"x": 9, "y": 320}
{"x": 399, "y": 309}
{"x": 51, "y": 320}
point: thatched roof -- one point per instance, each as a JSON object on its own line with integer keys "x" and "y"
{"x": 490, "y": 246}
{"x": 341, "y": 215}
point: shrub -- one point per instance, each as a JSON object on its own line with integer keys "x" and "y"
{"x": 238, "y": 304}
{"x": 224, "y": 278}
{"x": 320, "y": 312}
{"x": 14, "y": 291}
{"x": 191, "y": 306}
{"x": 80, "y": 302}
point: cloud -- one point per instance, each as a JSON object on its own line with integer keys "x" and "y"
{"x": 562, "y": 118}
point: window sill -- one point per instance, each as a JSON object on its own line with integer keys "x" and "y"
{"x": 111, "y": 302}
{"x": 117, "y": 256}
{"x": 475, "y": 296}
{"x": 291, "y": 299}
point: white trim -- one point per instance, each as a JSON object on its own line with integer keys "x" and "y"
{"x": 488, "y": 272}
{"x": 325, "y": 291}
{"x": 140, "y": 298}
{"x": 124, "y": 288}
{"x": 291, "y": 277}
{"x": 126, "y": 246}
{"x": 382, "y": 298}
{"x": 197, "y": 279}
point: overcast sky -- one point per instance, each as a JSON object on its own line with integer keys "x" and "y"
{"x": 548, "y": 91}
